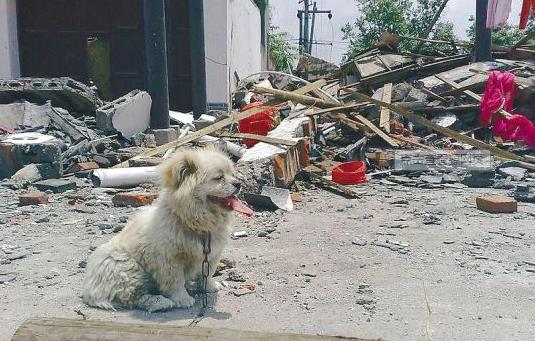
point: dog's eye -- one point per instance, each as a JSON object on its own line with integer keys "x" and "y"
{"x": 219, "y": 178}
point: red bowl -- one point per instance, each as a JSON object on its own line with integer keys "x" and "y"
{"x": 350, "y": 173}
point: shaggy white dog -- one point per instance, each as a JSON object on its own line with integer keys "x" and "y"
{"x": 149, "y": 263}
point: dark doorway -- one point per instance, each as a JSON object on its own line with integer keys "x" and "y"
{"x": 54, "y": 38}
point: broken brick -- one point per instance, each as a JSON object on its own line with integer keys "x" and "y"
{"x": 33, "y": 198}
{"x": 82, "y": 166}
{"x": 496, "y": 204}
{"x": 133, "y": 199}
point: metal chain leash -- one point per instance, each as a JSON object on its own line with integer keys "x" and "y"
{"x": 205, "y": 271}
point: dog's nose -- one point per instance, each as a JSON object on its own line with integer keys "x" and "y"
{"x": 236, "y": 184}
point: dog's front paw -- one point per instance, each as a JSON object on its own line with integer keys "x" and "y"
{"x": 183, "y": 299}
{"x": 213, "y": 285}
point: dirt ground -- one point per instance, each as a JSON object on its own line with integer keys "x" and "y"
{"x": 368, "y": 267}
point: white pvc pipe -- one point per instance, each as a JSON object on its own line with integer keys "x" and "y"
{"x": 123, "y": 177}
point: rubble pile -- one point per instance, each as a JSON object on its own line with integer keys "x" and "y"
{"x": 398, "y": 118}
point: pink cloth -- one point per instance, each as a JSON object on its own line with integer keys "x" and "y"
{"x": 500, "y": 94}
{"x": 498, "y": 12}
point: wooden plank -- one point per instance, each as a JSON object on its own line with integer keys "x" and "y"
{"x": 266, "y": 139}
{"x": 333, "y": 109}
{"x": 445, "y": 131}
{"x": 218, "y": 125}
{"x": 310, "y": 87}
{"x": 294, "y": 97}
{"x": 384, "y": 120}
{"x": 469, "y": 93}
{"x": 61, "y": 329}
{"x": 378, "y": 131}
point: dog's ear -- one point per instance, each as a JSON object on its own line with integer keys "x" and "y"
{"x": 176, "y": 169}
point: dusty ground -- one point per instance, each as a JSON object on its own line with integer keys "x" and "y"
{"x": 324, "y": 269}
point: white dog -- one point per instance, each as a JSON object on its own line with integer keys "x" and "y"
{"x": 149, "y": 263}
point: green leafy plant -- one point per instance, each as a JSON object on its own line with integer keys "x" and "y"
{"x": 504, "y": 36}
{"x": 280, "y": 50}
{"x": 402, "y": 17}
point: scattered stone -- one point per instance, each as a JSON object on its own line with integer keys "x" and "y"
{"x": 43, "y": 220}
{"x": 450, "y": 178}
{"x": 430, "y": 219}
{"x": 82, "y": 264}
{"x": 359, "y": 242}
{"x": 101, "y": 161}
{"x": 52, "y": 274}
{"x": 516, "y": 173}
{"x": 239, "y": 234}
{"x": 55, "y": 185}
{"x": 5, "y": 278}
{"x": 525, "y": 194}
{"x": 431, "y": 179}
{"x": 33, "y": 198}
{"x": 118, "y": 228}
{"x": 35, "y": 172}
{"x": 17, "y": 255}
{"x": 480, "y": 179}
{"x": 106, "y": 226}
{"x": 309, "y": 274}
{"x": 398, "y": 226}
{"x": 133, "y": 199}
{"x": 234, "y": 276}
{"x": 364, "y": 301}
{"x": 496, "y": 204}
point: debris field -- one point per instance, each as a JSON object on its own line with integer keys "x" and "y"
{"x": 394, "y": 199}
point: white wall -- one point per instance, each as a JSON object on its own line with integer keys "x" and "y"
{"x": 244, "y": 40}
{"x": 9, "y": 48}
{"x": 217, "y": 54}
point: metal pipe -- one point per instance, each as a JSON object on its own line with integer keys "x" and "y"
{"x": 198, "y": 55}
{"x": 156, "y": 57}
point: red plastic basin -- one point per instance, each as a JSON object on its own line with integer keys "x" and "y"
{"x": 350, "y": 173}
{"x": 259, "y": 124}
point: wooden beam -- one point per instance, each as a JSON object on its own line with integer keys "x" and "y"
{"x": 469, "y": 93}
{"x": 218, "y": 125}
{"x": 445, "y": 131}
{"x": 61, "y": 329}
{"x": 297, "y": 98}
{"x": 376, "y": 130}
{"x": 384, "y": 120}
{"x": 261, "y": 138}
{"x": 333, "y": 109}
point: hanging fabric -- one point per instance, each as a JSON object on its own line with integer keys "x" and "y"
{"x": 498, "y": 13}
{"x": 528, "y": 11}
{"x": 500, "y": 91}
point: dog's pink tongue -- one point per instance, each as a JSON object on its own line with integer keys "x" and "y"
{"x": 236, "y": 205}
